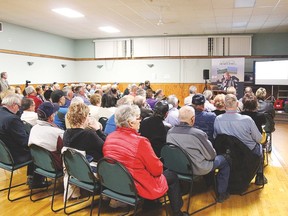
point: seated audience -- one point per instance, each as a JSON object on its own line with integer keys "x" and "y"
{"x": 31, "y": 93}
{"x": 267, "y": 108}
{"x": 80, "y": 92}
{"x": 57, "y": 96}
{"x": 203, "y": 120}
{"x": 150, "y": 98}
{"x": 140, "y": 101}
{"x": 219, "y": 103}
{"x": 192, "y": 92}
{"x": 209, "y": 103}
{"x": 154, "y": 128}
{"x": 173, "y": 113}
{"x": 68, "y": 94}
{"x": 232, "y": 90}
{"x": 29, "y": 115}
{"x": 242, "y": 127}
{"x": 78, "y": 136}
{"x": 46, "y": 134}
{"x": 110, "y": 124}
{"x": 135, "y": 153}
{"x": 250, "y": 105}
{"x": 15, "y": 136}
{"x": 200, "y": 150}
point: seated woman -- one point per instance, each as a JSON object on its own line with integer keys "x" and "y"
{"x": 78, "y": 137}
{"x": 219, "y": 103}
{"x": 250, "y": 106}
{"x": 136, "y": 154}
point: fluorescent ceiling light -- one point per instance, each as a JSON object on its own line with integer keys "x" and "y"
{"x": 244, "y": 3}
{"x": 239, "y": 24}
{"x": 109, "y": 29}
{"x": 68, "y": 12}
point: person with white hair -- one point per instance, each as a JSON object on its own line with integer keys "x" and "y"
{"x": 192, "y": 92}
{"x": 136, "y": 154}
{"x": 173, "y": 113}
{"x": 15, "y": 137}
{"x": 208, "y": 106}
{"x": 31, "y": 93}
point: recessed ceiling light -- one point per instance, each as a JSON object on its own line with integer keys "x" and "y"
{"x": 244, "y": 3}
{"x": 68, "y": 12}
{"x": 109, "y": 29}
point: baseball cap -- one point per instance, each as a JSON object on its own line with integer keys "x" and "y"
{"x": 56, "y": 95}
{"x": 46, "y": 109}
{"x": 198, "y": 99}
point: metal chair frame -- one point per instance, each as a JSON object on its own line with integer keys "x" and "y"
{"x": 7, "y": 163}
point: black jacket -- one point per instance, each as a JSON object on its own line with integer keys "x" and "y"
{"x": 244, "y": 162}
{"x": 14, "y": 135}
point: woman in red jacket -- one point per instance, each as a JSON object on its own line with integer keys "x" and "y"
{"x": 136, "y": 154}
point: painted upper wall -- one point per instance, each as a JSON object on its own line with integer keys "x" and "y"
{"x": 270, "y": 44}
{"x": 18, "y": 38}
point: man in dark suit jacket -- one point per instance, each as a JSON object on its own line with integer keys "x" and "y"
{"x": 15, "y": 136}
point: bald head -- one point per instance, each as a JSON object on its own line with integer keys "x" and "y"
{"x": 186, "y": 114}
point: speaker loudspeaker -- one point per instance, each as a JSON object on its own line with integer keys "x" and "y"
{"x": 205, "y": 74}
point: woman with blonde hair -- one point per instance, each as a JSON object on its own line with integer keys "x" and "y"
{"x": 79, "y": 136}
{"x": 219, "y": 103}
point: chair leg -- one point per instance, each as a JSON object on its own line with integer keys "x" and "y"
{"x": 100, "y": 203}
{"x": 14, "y": 186}
{"x": 73, "y": 204}
{"x": 189, "y": 196}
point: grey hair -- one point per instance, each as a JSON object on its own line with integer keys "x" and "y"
{"x": 230, "y": 101}
{"x": 208, "y": 94}
{"x": 139, "y": 100}
{"x": 141, "y": 92}
{"x": 192, "y": 90}
{"x": 126, "y": 113}
{"x": 186, "y": 113}
{"x": 77, "y": 99}
{"x": 127, "y": 99}
{"x": 29, "y": 90}
{"x": 173, "y": 100}
{"x": 231, "y": 90}
{"x": 11, "y": 99}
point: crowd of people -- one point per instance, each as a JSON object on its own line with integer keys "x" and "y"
{"x": 140, "y": 121}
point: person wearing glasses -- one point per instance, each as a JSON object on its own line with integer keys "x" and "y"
{"x": 15, "y": 136}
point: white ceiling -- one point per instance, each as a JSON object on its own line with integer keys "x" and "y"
{"x": 140, "y": 17}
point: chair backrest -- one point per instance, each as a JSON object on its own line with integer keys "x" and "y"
{"x": 103, "y": 121}
{"x": 176, "y": 159}
{"x": 78, "y": 167}
{"x": 5, "y": 155}
{"x": 114, "y": 176}
{"x": 42, "y": 158}
{"x": 244, "y": 162}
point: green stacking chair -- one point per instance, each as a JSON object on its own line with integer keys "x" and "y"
{"x": 117, "y": 183}
{"x": 177, "y": 160}
{"x": 7, "y": 163}
{"x": 81, "y": 175}
{"x": 45, "y": 166}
